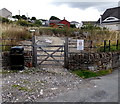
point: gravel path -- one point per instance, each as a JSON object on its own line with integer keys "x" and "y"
{"x": 35, "y": 84}
{"x": 102, "y": 89}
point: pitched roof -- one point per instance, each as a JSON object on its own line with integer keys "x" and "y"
{"x": 111, "y": 12}
{"x": 74, "y": 22}
{"x": 54, "y": 21}
{"x": 64, "y": 20}
{"x": 5, "y": 9}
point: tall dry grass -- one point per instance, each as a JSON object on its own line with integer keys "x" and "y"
{"x": 13, "y": 31}
{"x": 11, "y": 34}
{"x": 100, "y": 36}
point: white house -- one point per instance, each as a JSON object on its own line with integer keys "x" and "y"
{"x": 44, "y": 22}
{"x": 77, "y": 24}
{"x": 110, "y": 19}
{"x": 5, "y": 13}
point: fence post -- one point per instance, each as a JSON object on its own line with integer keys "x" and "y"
{"x": 104, "y": 45}
{"x": 66, "y": 53}
{"x": 117, "y": 44}
{"x": 34, "y": 50}
{"x": 109, "y": 46}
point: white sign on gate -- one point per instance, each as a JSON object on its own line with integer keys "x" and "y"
{"x": 80, "y": 44}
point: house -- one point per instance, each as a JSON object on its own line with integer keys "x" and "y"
{"x": 54, "y": 23}
{"x": 5, "y": 13}
{"x": 59, "y": 23}
{"x": 77, "y": 24}
{"x": 65, "y": 22}
{"x": 110, "y": 19}
{"x": 44, "y": 22}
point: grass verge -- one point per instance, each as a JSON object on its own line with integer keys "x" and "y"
{"x": 89, "y": 74}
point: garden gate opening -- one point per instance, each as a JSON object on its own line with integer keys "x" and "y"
{"x": 49, "y": 51}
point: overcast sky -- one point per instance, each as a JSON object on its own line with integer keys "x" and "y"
{"x": 72, "y": 10}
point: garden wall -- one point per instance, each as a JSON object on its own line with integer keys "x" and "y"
{"x": 6, "y": 59}
{"x": 89, "y": 61}
{"x": 94, "y": 61}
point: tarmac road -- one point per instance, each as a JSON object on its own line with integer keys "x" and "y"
{"x": 104, "y": 89}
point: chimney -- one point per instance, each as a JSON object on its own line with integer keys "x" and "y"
{"x": 100, "y": 19}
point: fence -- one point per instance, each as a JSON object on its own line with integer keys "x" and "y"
{"x": 47, "y": 54}
{"x": 34, "y": 49}
{"x": 94, "y": 45}
{"x": 97, "y": 55}
{"x": 69, "y": 50}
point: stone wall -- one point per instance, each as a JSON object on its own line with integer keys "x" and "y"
{"x": 89, "y": 61}
{"x": 94, "y": 61}
{"x": 6, "y": 59}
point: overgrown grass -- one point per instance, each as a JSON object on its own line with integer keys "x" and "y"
{"x": 13, "y": 31}
{"x": 14, "y": 34}
{"x": 93, "y": 34}
{"x": 58, "y": 31}
{"x": 18, "y": 32}
{"x": 89, "y": 74}
{"x": 112, "y": 48}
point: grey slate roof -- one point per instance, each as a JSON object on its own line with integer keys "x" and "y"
{"x": 111, "y": 12}
{"x": 54, "y": 21}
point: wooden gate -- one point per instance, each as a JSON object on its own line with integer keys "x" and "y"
{"x": 49, "y": 55}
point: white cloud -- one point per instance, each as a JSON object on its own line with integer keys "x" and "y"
{"x": 90, "y": 14}
{"x": 86, "y": 0}
{"x": 44, "y": 9}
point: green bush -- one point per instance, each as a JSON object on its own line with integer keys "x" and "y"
{"x": 22, "y": 22}
{"x": 61, "y": 31}
{"x": 37, "y": 23}
{"x": 4, "y": 20}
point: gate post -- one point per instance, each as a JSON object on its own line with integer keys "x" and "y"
{"x": 66, "y": 53}
{"x": 34, "y": 52}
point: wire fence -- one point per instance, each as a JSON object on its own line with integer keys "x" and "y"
{"x": 89, "y": 45}
{"x": 94, "y": 46}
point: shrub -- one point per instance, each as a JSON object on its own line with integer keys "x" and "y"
{"x": 4, "y": 20}
{"x": 37, "y": 23}
{"x": 22, "y": 22}
{"x": 91, "y": 27}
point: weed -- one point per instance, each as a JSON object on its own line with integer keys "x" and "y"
{"x": 112, "y": 48}
{"x": 8, "y": 71}
{"x": 20, "y": 87}
{"x": 89, "y": 74}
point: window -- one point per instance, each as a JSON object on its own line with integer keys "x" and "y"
{"x": 111, "y": 19}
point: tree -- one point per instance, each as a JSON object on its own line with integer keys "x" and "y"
{"x": 54, "y": 18}
{"x": 37, "y": 23}
{"x": 17, "y": 17}
{"x": 22, "y": 22}
{"x": 24, "y": 17}
{"x": 4, "y": 20}
{"x": 33, "y": 18}
{"x": 72, "y": 26}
